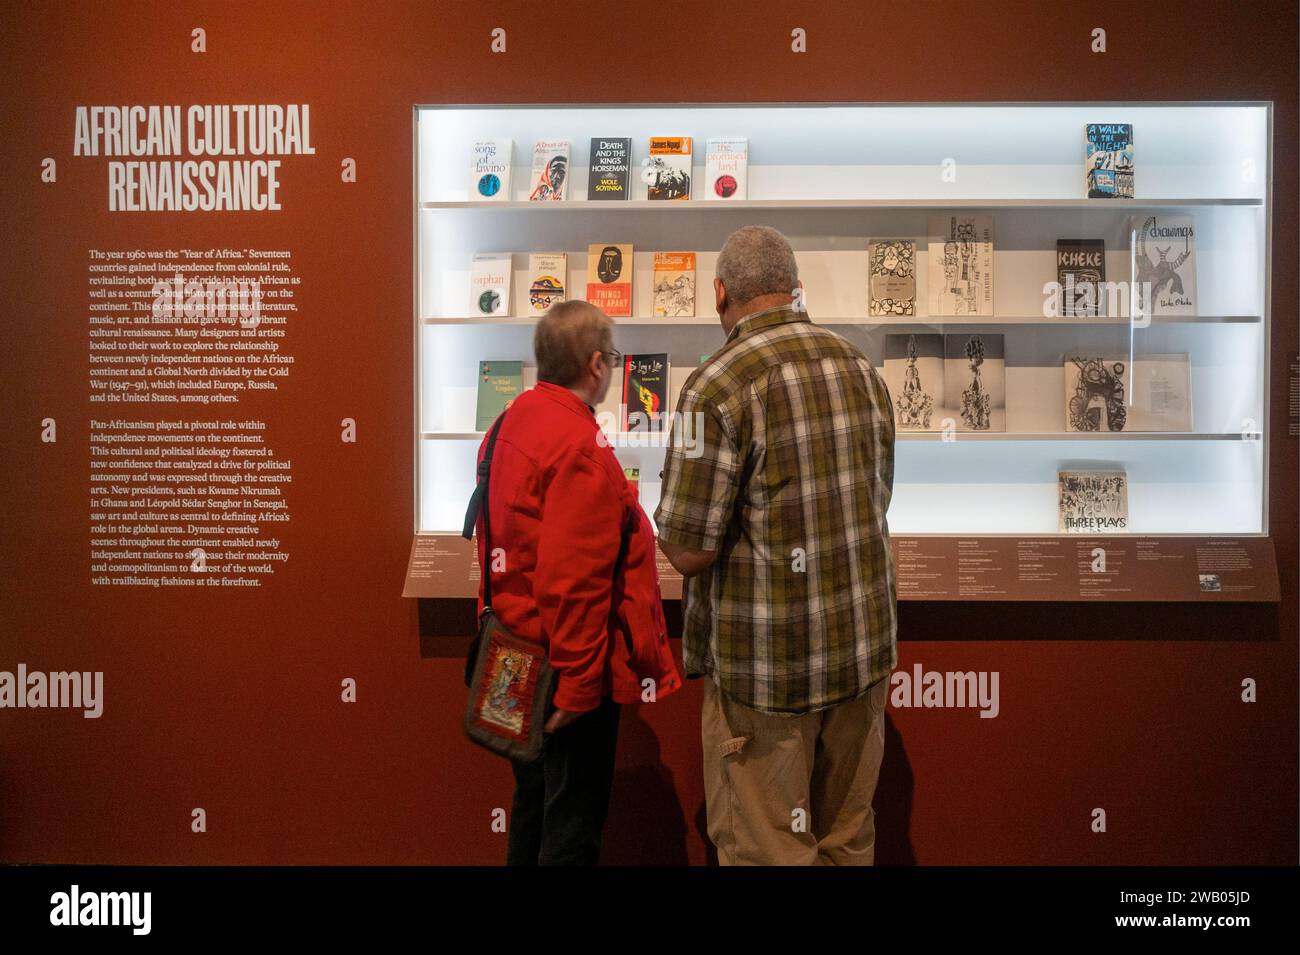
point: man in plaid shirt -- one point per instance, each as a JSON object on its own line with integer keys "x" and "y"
{"x": 775, "y": 513}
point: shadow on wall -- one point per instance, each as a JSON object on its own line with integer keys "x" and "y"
{"x": 647, "y": 823}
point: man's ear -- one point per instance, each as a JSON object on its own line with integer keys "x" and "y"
{"x": 596, "y": 364}
{"x": 719, "y": 295}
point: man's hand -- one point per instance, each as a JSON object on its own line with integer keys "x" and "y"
{"x": 686, "y": 561}
{"x": 559, "y": 720}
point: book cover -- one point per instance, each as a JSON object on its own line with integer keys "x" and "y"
{"x": 668, "y": 169}
{"x": 610, "y": 171}
{"x": 550, "y": 170}
{"x": 726, "y": 163}
{"x": 499, "y": 383}
{"x": 914, "y": 377}
{"x": 490, "y": 170}
{"x": 974, "y": 379}
{"x": 1092, "y": 502}
{"x": 961, "y": 265}
{"x": 1080, "y": 271}
{"x": 546, "y": 279}
{"x": 490, "y": 284}
{"x": 1165, "y": 256}
{"x": 1161, "y": 393}
{"x": 1108, "y": 160}
{"x": 674, "y": 288}
{"x": 891, "y": 280}
{"x": 609, "y": 279}
{"x": 645, "y": 392}
{"x": 1095, "y": 389}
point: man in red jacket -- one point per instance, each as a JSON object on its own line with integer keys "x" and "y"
{"x": 563, "y": 574}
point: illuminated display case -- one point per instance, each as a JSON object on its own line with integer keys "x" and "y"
{"x": 836, "y": 178}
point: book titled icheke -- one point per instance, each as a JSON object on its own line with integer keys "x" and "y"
{"x": 609, "y": 279}
{"x": 499, "y": 383}
{"x": 726, "y": 164}
{"x": 1108, "y": 160}
{"x": 1092, "y": 502}
{"x": 550, "y": 171}
{"x": 668, "y": 170}
{"x": 546, "y": 277}
{"x": 610, "y": 169}
{"x": 674, "y": 285}
{"x": 490, "y": 284}
{"x": 490, "y": 171}
{"x": 1081, "y": 272}
{"x": 645, "y": 392}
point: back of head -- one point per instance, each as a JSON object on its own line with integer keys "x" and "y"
{"x": 755, "y": 261}
{"x": 565, "y": 338}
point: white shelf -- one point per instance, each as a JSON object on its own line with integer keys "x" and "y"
{"x": 926, "y": 320}
{"x": 647, "y": 205}
{"x": 641, "y": 439}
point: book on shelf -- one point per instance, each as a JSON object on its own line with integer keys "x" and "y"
{"x": 1149, "y": 393}
{"x": 1164, "y": 251}
{"x": 499, "y": 383}
{"x": 914, "y": 366}
{"x": 1108, "y": 160}
{"x": 610, "y": 171}
{"x": 726, "y": 164}
{"x": 609, "y": 278}
{"x": 674, "y": 285}
{"x": 891, "y": 279}
{"x": 1092, "y": 502}
{"x": 961, "y": 265}
{"x": 633, "y": 476}
{"x": 1161, "y": 393}
{"x": 668, "y": 169}
{"x": 546, "y": 280}
{"x": 1081, "y": 272}
{"x": 550, "y": 171}
{"x": 645, "y": 392}
{"x": 974, "y": 381}
{"x": 490, "y": 170}
{"x": 1095, "y": 393}
{"x": 490, "y": 276}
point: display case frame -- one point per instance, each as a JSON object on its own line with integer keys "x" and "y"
{"x": 1250, "y": 197}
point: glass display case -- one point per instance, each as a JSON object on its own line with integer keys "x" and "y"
{"x": 1001, "y": 379}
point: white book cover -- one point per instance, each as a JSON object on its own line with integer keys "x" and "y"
{"x": 975, "y": 381}
{"x": 891, "y": 279}
{"x": 727, "y": 169}
{"x": 547, "y": 277}
{"x": 1164, "y": 249}
{"x": 961, "y": 265}
{"x": 490, "y": 285}
{"x": 1162, "y": 393}
{"x": 550, "y": 181}
{"x": 1096, "y": 393}
{"x": 490, "y": 170}
{"x": 914, "y": 377}
{"x": 1092, "y": 502}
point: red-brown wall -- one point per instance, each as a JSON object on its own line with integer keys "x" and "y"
{"x": 230, "y": 700}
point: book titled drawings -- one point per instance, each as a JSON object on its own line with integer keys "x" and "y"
{"x": 609, "y": 278}
{"x": 1164, "y": 251}
{"x": 668, "y": 172}
{"x": 1108, "y": 160}
{"x": 674, "y": 288}
{"x": 961, "y": 265}
{"x": 550, "y": 180}
{"x": 726, "y": 166}
{"x": 1092, "y": 502}
{"x": 891, "y": 280}
{"x": 546, "y": 279}
{"x": 490, "y": 170}
{"x": 490, "y": 284}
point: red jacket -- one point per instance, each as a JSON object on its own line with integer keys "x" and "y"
{"x": 559, "y": 498}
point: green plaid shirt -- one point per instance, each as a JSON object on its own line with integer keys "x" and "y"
{"x": 797, "y": 468}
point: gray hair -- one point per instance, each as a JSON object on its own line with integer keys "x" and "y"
{"x": 565, "y": 338}
{"x": 756, "y": 260}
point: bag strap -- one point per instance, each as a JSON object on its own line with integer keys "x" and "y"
{"x": 479, "y": 501}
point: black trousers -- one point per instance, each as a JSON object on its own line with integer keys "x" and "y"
{"x": 561, "y": 800}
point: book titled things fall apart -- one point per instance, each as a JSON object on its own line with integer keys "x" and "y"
{"x": 609, "y": 279}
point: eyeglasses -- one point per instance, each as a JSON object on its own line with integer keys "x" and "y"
{"x": 615, "y": 357}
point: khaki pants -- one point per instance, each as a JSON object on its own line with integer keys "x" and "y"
{"x": 793, "y": 790}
